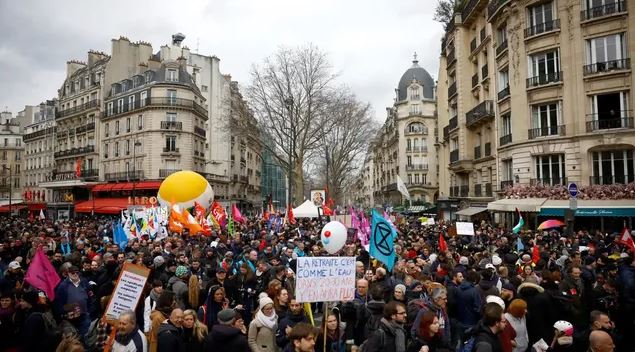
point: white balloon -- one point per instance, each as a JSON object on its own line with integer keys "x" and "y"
{"x": 336, "y": 238}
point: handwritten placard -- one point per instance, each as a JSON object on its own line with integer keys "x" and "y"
{"x": 128, "y": 290}
{"x": 465, "y": 228}
{"x": 325, "y": 279}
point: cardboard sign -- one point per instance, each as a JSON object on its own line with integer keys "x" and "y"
{"x": 325, "y": 279}
{"x": 127, "y": 292}
{"x": 465, "y": 228}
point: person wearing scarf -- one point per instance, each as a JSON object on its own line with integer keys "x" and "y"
{"x": 262, "y": 330}
{"x": 129, "y": 337}
{"x": 214, "y": 303}
{"x": 391, "y": 336}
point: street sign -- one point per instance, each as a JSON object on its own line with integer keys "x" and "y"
{"x": 573, "y": 189}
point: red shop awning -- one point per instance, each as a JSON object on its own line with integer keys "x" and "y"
{"x": 102, "y": 205}
{"x": 36, "y": 206}
{"x": 14, "y": 207}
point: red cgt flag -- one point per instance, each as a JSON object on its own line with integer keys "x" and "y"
{"x": 443, "y": 246}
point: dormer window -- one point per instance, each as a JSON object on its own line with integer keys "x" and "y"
{"x": 414, "y": 93}
{"x": 172, "y": 75}
{"x": 148, "y": 76}
{"x": 124, "y": 86}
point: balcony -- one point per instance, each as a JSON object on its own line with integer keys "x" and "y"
{"x": 74, "y": 151}
{"x": 453, "y": 123}
{"x": 124, "y": 176}
{"x": 479, "y": 113}
{"x": 475, "y": 80}
{"x": 163, "y": 173}
{"x": 505, "y": 184}
{"x": 607, "y": 66}
{"x": 77, "y": 109}
{"x": 493, "y": 8}
{"x": 604, "y": 10}
{"x": 503, "y": 93}
{"x": 560, "y": 181}
{"x": 172, "y": 125}
{"x": 484, "y": 72}
{"x": 171, "y": 150}
{"x": 505, "y": 139}
{"x": 415, "y": 131}
{"x": 478, "y": 191}
{"x": 173, "y": 103}
{"x": 71, "y": 175}
{"x": 452, "y": 90}
{"x": 464, "y": 190}
{"x": 471, "y": 8}
{"x": 417, "y": 149}
{"x": 451, "y": 58}
{"x": 85, "y": 128}
{"x": 551, "y": 77}
{"x": 501, "y": 48}
{"x": 199, "y": 131}
{"x": 547, "y": 131}
{"x": 37, "y": 134}
{"x": 454, "y": 156}
{"x": 606, "y": 124}
{"x": 417, "y": 167}
{"x": 488, "y": 149}
{"x": 542, "y": 28}
{"x": 488, "y": 190}
{"x": 612, "y": 179}
{"x": 473, "y": 45}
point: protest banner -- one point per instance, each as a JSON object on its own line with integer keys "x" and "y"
{"x": 465, "y": 228}
{"x": 127, "y": 291}
{"x": 325, "y": 279}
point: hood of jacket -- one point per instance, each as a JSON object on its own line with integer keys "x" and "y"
{"x": 224, "y": 333}
{"x": 530, "y": 289}
{"x": 466, "y": 285}
{"x": 487, "y": 284}
{"x": 173, "y": 280}
{"x": 376, "y": 307}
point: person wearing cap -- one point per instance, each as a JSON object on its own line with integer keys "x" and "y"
{"x": 224, "y": 337}
{"x": 13, "y": 277}
{"x": 73, "y": 301}
{"x": 178, "y": 285}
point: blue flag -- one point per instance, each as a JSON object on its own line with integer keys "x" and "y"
{"x": 519, "y": 245}
{"x": 382, "y": 240}
{"x": 119, "y": 236}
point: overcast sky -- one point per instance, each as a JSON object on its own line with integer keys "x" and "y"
{"x": 369, "y": 42}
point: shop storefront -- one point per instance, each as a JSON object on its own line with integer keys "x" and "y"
{"x": 605, "y": 215}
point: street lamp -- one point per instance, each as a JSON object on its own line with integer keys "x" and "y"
{"x": 289, "y": 104}
{"x": 134, "y": 168}
{"x": 10, "y": 186}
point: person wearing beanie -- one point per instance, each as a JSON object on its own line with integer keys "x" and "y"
{"x": 178, "y": 285}
{"x": 224, "y": 337}
{"x": 262, "y": 330}
{"x": 33, "y": 329}
{"x": 399, "y": 293}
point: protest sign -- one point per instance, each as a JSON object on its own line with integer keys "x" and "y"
{"x": 128, "y": 291}
{"x": 465, "y": 228}
{"x": 325, "y": 279}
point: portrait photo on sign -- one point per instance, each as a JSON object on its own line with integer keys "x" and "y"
{"x": 318, "y": 197}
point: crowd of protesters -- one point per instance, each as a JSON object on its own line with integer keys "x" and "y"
{"x": 488, "y": 292}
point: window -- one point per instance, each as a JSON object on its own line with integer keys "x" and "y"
{"x": 116, "y": 151}
{"x": 106, "y": 129}
{"x": 143, "y": 98}
{"x": 131, "y": 100}
{"x": 550, "y": 169}
{"x": 170, "y": 116}
{"x": 599, "y": 8}
{"x": 171, "y": 96}
{"x": 606, "y": 53}
{"x": 501, "y": 35}
{"x": 540, "y": 18}
{"x": 454, "y": 144}
{"x": 506, "y": 125}
{"x": 172, "y": 75}
{"x": 127, "y": 124}
{"x": 544, "y": 68}
{"x": 610, "y": 110}
{"x": 408, "y": 144}
{"x": 128, "y": 147}
{"x": 109, "y": 108}
{"x": 415, "y": 109}
{"x": 116, "y": 128}
{"x": 170, "y": 143}
{"x": 119, "y": 106}
{"x": 140, "y": 122}
{"x": 610, "y": 167}
{"x": 409, "y": 162}
{"x": 508, "y": 170}
{"x": 414, "y": 93}
{"x": 416, "y": 178}
{"x": 503, "y": 78}
{"x": 545, "y": 120}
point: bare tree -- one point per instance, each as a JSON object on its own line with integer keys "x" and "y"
{"x": 289, "y": 94}
{"x": 345, "y": 144}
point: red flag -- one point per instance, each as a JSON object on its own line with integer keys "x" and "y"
{"x": 627, "y": 240}
{"x": 31, "y": 217}
{"x": 42, "y": 275}
{"x": 535, "y": 254}
{"x": 236, "y": 215}
{"x": 443, "y": 247}
{"x": 78, "y": 167}
{"x": 326, "y": 210}
{"x": 290, "y": 216}
{"x": 190, "y": 222}
{"x": 330, "y": 202}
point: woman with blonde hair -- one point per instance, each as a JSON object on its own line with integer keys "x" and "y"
{"x": 194, "y": 332}
{"x": 193, "y": 291}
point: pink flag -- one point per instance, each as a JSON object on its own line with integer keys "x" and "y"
{"x": 354, "y": 219}
{"x": 42, "y": 275}
{"x": 238, "y": 217}
{"x": 365, "y": 229}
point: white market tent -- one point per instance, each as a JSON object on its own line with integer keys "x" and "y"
{"x": 306, "y": 210}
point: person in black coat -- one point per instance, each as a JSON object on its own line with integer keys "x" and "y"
{"x": 541, "y": 312}
{"x": 34, "y": 335}
{"x": 224, "y": 337}
{"x": 294, "y": 316}
{"x": 170, "y": 333}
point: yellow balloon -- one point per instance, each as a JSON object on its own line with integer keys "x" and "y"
{"x": 184, "y": 188}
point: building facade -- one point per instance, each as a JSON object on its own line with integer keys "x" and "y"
{"x": 11, "y": 160}
{"x": 534, "y": 93}
{"x": 39, "y": 144}
{"x": 405, "y": 145}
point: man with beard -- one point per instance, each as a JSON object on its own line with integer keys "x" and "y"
{"x": 294, "y": 316}
{"x": 599, "y": 321}
{"x": 129, "y": 338}
{"x": 390, "y": 336}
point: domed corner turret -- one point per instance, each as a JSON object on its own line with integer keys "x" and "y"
{"x": 415, "y": 72}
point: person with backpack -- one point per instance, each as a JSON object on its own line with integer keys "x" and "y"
{"x": 437, "y": 303}
{"x": 390, "y": 336}
{"x": 487, "y": 330}
{"x": 373, "y": 313}
{"x": 38, "y": 332}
